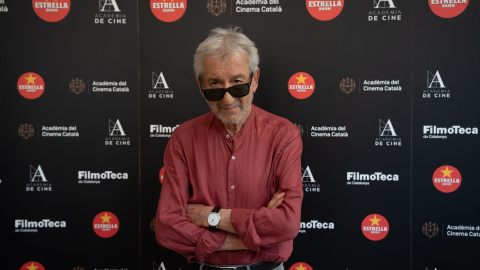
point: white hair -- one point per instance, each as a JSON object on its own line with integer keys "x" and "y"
{"x": 223, "y": 43}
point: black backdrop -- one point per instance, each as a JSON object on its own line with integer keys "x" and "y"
{"x": 420, "y": 53}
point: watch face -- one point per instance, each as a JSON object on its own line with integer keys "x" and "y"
{"x": 213, "y": 219}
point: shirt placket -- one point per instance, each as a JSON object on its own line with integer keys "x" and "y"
{"x": 232, "y": 165}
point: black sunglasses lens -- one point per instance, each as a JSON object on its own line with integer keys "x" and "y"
{"x": 214, "y": 95}
{"x": 239, "y": 90}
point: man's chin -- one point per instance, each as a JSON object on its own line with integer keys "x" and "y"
{"x": 231, "y": 117}
{"x": 229, "y": 120}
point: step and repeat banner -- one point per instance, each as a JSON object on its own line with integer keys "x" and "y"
{"x": 383, "y": 92}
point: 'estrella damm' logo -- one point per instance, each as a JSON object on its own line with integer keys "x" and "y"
{"x": 30, "y": 85}
{"x": 168, "y": 11}
{"x": 300, "y": 266}
{"x": 106, "y": 224}
{"x": 448, "y": 8}
{"x": 301, "y": 85}
{"x": 447, "y": 179}
{"x": 32, "y": 266}
{"x": 161, "y": 174}
{"x": 375, "y": 227}
{"x": 51, "y": 11}
{"x": 324, "y": 10}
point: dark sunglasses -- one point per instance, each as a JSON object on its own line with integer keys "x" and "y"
{"x": 216, "y": 94}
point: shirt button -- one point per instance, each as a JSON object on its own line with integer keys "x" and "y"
{"x": 232, "y": 186}
{"x": 228, "y": 136}
{"x": 233, "y": 157}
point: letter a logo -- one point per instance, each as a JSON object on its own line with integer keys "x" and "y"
{"x": 307, "y": 175}
{"x": 108, "y": 5}
{"x": 434, "y": 81}
{"x": 383, "y": 4}
{"x": 37, "y": 175}
{"x": 115, "y": 128}
{"x": 386, "y": 129}
{"x": 158, "y": 81}
{"x": 158, "y": 267}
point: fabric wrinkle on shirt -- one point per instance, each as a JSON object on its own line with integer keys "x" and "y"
{"x": 239, "y": 172}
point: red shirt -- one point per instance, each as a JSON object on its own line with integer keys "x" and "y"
{"x": 200, "y": 167}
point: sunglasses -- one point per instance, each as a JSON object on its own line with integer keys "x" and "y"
{"x": 216, "y": 94}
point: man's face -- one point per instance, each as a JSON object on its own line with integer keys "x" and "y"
{"x": 220, "y": 74}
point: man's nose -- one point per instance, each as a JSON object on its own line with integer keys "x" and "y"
{"x": 227, "y": 98}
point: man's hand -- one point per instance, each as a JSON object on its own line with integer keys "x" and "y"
{"x": 198, "y": 213}
{"x": 276, "y": 200}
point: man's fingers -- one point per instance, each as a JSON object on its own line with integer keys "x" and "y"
{"x": 197, "y": 214}
{"x": 280, "y": 195}
{"x": 277, "y": 203}
{"x": 276, "y": 200}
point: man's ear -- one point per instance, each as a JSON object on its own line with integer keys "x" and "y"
{"x": 255, "y": 78}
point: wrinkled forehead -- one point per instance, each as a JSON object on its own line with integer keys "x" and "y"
{"x": 236, "y": 63}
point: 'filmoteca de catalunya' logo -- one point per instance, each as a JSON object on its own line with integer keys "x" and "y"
{"x": 29, "y": 226}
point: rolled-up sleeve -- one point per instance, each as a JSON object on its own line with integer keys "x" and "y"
{"x": 173, "y": 229}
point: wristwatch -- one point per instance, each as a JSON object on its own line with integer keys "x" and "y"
{"x": 213, "y": 218}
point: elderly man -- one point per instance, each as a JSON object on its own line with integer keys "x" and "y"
{"x": 232, "y": 191}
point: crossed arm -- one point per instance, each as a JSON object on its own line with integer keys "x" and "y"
{"x": 268, "y": 226}
{"x": 197, "y": 213}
